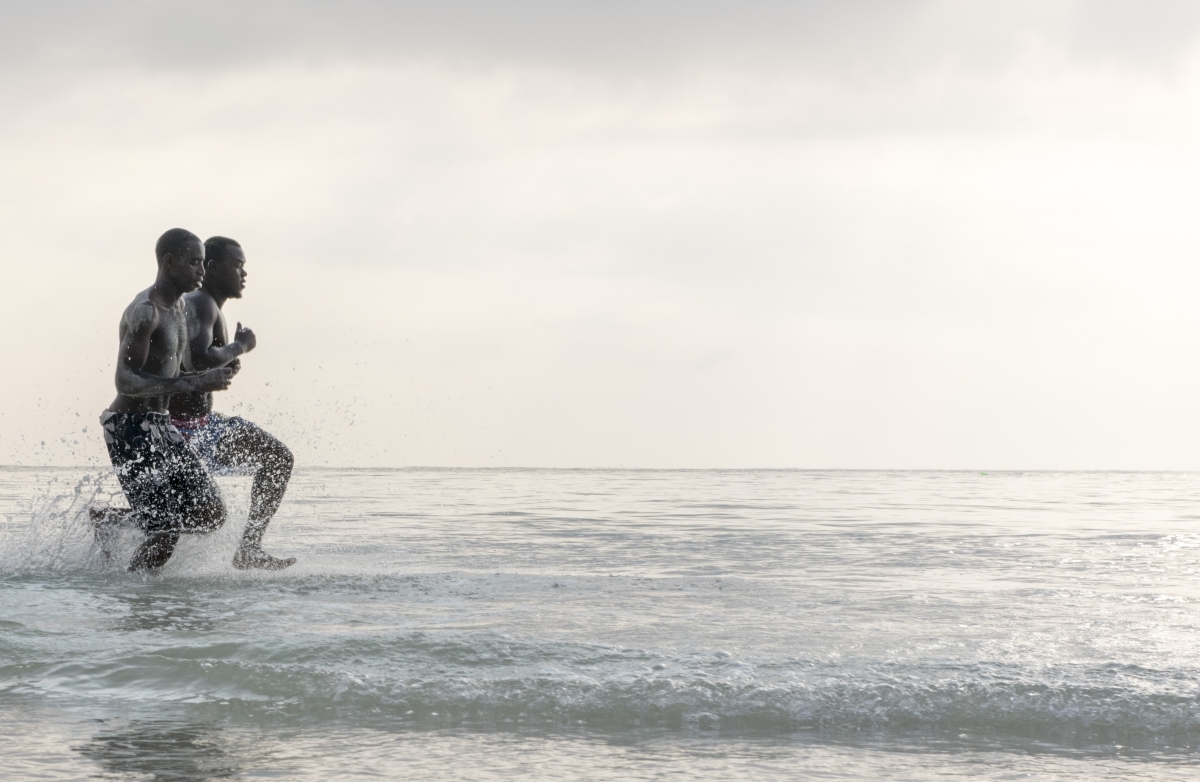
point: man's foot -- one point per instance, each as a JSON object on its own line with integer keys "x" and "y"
{"x": 102, "y": 517}
{"x": 154, "y": 552}
{"x": 256, "y": 558}
{"x": 104, "y": 523}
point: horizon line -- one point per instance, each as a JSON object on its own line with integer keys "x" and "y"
{"x": 433, "y": 468}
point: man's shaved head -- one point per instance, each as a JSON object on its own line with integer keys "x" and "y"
{"x": 174, "y": 242}
{"x": 216, "y": 247}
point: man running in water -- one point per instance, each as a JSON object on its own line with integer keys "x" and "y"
{"x": 223, "y": 442}
{"x": 168, "y": 487}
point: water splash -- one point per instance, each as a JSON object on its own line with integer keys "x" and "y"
{"x": 52, "y": 533}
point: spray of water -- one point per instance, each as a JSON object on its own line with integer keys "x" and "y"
{"x": 52, "y": 531}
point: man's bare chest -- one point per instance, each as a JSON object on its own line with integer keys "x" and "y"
{"x": 169, "y": 339}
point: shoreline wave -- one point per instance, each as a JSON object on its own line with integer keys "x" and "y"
{"x": 491, "y": 680}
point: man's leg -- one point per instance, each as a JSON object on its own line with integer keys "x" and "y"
{"x": 142, "y": 469}
{"x": 154, "y": 552}
{"x": 245, "y": 445}
{"x": 188, "y": 502}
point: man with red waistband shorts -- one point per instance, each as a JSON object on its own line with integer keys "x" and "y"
{"x": 225, "y": 443}
{"x": 169, "y": 490}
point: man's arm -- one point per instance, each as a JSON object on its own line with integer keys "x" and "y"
{"x": 202, "y": 320}
{"x": 133, "y": 380}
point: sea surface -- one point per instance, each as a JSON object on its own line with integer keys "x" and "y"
{"x": 615, "y": 624}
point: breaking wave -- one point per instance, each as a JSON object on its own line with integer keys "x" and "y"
{"x": 490, "y": 680}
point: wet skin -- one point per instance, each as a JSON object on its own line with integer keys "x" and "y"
{"x": 208, "y": 343}
{"x": 153, "y": 334}
{"x": 244, "y": 447}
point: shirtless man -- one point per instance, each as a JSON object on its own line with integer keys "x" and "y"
{"x": 168, "y": 487}
{"x": 223, "y": 442}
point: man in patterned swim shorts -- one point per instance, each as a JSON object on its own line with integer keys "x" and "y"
{"x": 226, "y": 443}
{"x": 168, "y": 487}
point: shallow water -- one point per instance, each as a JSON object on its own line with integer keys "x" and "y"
{"x": 496, "y": 624}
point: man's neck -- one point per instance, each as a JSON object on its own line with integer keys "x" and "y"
{"x": 216, "y": 297}
{"x": 163, "y": 293}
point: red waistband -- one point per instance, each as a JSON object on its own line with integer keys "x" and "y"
{"x": 189, "y": 423}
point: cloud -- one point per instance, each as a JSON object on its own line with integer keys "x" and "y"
{"x": 1153, "y": 33}
{"x": 213, "y": 34}
{"x": 836, "y": 39}
{"x": 791, "y": 234}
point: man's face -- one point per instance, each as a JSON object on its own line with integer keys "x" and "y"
{"x": 186, "y": 270}
{"x": 227, "y": 276}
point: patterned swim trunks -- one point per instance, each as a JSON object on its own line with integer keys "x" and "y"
{"x": 166, "y": 484}
{"x": 205, "y": 433}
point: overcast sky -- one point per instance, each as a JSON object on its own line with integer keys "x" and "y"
{"x": 757, "y": 234}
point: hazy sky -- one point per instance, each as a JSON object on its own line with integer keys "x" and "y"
{"x": 793, "y": 234}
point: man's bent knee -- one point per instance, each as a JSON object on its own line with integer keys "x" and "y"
{"x": 210, "y": 515}
{"x": 279, "y": 460}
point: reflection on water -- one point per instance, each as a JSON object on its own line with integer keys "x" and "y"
{"x": 162, "y": 751}
{"x": 164, "y": 611}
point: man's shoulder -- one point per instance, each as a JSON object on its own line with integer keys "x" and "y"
{"x": 141, "y": 312}
{"x": 201, "y": 304}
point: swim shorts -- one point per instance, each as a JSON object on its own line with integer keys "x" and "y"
{"x": 165, "y": 482}
{"x": 203, "y": 434}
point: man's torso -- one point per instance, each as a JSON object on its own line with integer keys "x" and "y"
{"x": 199, "y": 304}
{"x": 168, "y": 345}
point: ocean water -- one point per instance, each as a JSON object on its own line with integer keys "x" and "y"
{"x": 611, "y": 624}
